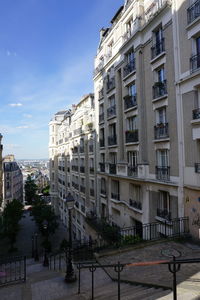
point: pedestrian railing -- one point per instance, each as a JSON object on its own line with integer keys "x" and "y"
{"x": 12, "y": 270}
{"x": 174, "y": 266}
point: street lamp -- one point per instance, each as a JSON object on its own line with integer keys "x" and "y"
{"x": 45, "y": 227}
{"x": 70, "y": 276}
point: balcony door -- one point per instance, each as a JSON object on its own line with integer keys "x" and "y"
{"x": 162, "y": 158}
{"x": 161, "y": 116}
{"x": 132, "y": 158}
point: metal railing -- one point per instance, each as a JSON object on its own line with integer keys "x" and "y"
{"x": 132, "y": 136}
{"x": 158, "y": 48}
{"x": 111, "y": 111}
{"x": 163, "y": 173}
{"x": 110, "y": 84}
{"x": 135, "y": 204}
{"x": 196, "y": 113}
{"x": 195, "y": 62}
{"x": 130, "y": 101}
{"x": 161, "y": 131}
{"x": 159, "y": 89}
{"x": 133, "y": 171}
{"x": 129, "y": 68}
{"x": 193, "y": 12}
{"x": 112, "y": 140}
{"x": 12, "y": 270}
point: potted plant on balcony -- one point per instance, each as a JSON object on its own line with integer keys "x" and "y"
{"x": 90, "y": 125}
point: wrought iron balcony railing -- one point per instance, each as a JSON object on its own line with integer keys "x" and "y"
{"x": 82, "y": 169}
{"x": 197, "y": 167}
{"x": 159, "y": 89}
{"x": 112, "y": 140}
{"x": 75, "y": 185}
{"x": 130, "y": 101}
{"x": 132, "y": 171}
{"x": 101, "y": 117}
{"x": 193, "y": 12}
{"x": 196, "y": 113}
{"x": 163, "y": 173}
{"x": 129, "y": 68}
{"x": 161, "y": 131}
{"x": 132, "y": 136}
{"x": 102, "y": 143}
{"x": 102, "y": 167}
{"x": 135, "y": 204}
{"x": 115, "y": 196}
{"x": 112, "y": 168}
{"x": 101, "y": 94}
{"x": 158, "y": 48}
{"x": 195, "y": 62}
{"x": 164, "y": 213}
{"x": 111, "y": 111}
{"x": 110, "y": 84}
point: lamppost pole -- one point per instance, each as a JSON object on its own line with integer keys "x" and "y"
{"x": 46, "y": 261}
{"x": 33, "y": 250}
{"x": 36, "y": 256}
{"x": 70, "y": 276}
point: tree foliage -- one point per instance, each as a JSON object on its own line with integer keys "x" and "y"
{"x": 43, "y": 212}
{"x": 12, "y": 214}
{"x": 30, "y": 190}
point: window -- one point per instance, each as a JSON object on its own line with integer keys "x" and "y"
{"x": 115, "y": 190}
{"x": 132, "y": 157}
{"x": 111, "y": 101}
{"x": 132, "y": 90}
{"x": 161, "y": 115}
{"x": 103, "y": 186}
{"x": 161, "y": 74}
{"x": 135, "y": 196}
{"x": 129, "y": 27}
{"x": 162, "y": 157}
{"x": 112, "y": 130}
{"x": 113, "y": 157}
{"x": 163, "y": 205}
{"x": 102, "y": 157}
{"x": 158, "y": 42}
{"x": 132, "y": 123}
{"x": 130, "y": 56}
{"x": 101, "y": 109}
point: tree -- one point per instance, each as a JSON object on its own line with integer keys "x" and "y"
{"x": 30, "y": 190}
{"x": 45, "y": 190}
{"x": 12, "y": 214}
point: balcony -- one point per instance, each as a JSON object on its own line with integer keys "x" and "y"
{"x": 111, "y": 111}
{"x": 115, "y": 196}
{"x": 102, "y": 143}
{"x": 158, "y": 48}
{"x": 102, "y": 167}
{"x": 103, "y": 192}
{"x": 110, "y": 84}
{"x": 101, "y": 94}
{"x": 196, "y": 114}
{"x": 195, "y": 62}
{"x": 130, "y": 101}
{"x": 197, "y": 167}
{"x": 91, "y": 170}
{"x": 82, "y": 169}
{"x": 91, "y": 148}
{"x": 163, "y": 173}
{"x": 78, "y": 131}
{"x": 129, "y": 68}
{"x": 132, "y": 136}
{"x": 193, "y": 12}
{"x": 92, "y": 192}
{"x": 159, "y": 89}
{"x": 164, "y": 214}
{"x": 161, "y": 131}
{"x": 82, "y": 189}
{"x": 112, "y": 168}
{"x": 132, "y": 171}
{"x": 75, "y": 150}
{"x": 112, "y": 140}
{"x": 75, "y": 185}
{"x": 135, "y": 204}
{"x": 75, "y": 168}
{"x": 81, "y": 149}
{"x": 101, "y": 117}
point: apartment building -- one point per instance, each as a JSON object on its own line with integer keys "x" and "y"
{"x": 72, "y": 163}
{"x": 186, "y": 31}
{"x": 1, "y": 172}
{"x": 12, "y": 180}
{"x": 138, "y": 133}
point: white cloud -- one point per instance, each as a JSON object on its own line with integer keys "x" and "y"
{"x": 15, "y": 104}
{"x": 29, "y": 116}
{"x": 23, "y": 127}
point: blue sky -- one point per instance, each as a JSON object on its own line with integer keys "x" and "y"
{"x": 47, "y": 50}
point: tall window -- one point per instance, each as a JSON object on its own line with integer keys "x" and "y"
{"x": 132, "y": 123}
{"x": 132, "y": 90}
{"x": 115, "y": 189}
{"x": 129, "y": 26}
{"x": 112, "y": 130}
{"x": 162, "y": 157}
{"x": 161, "y": 74}
{"x": 113, "y": 157}
{"x": 161, "y": 115}
{"x": 132, "y": 157}
{"x": 111, "y": 101}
